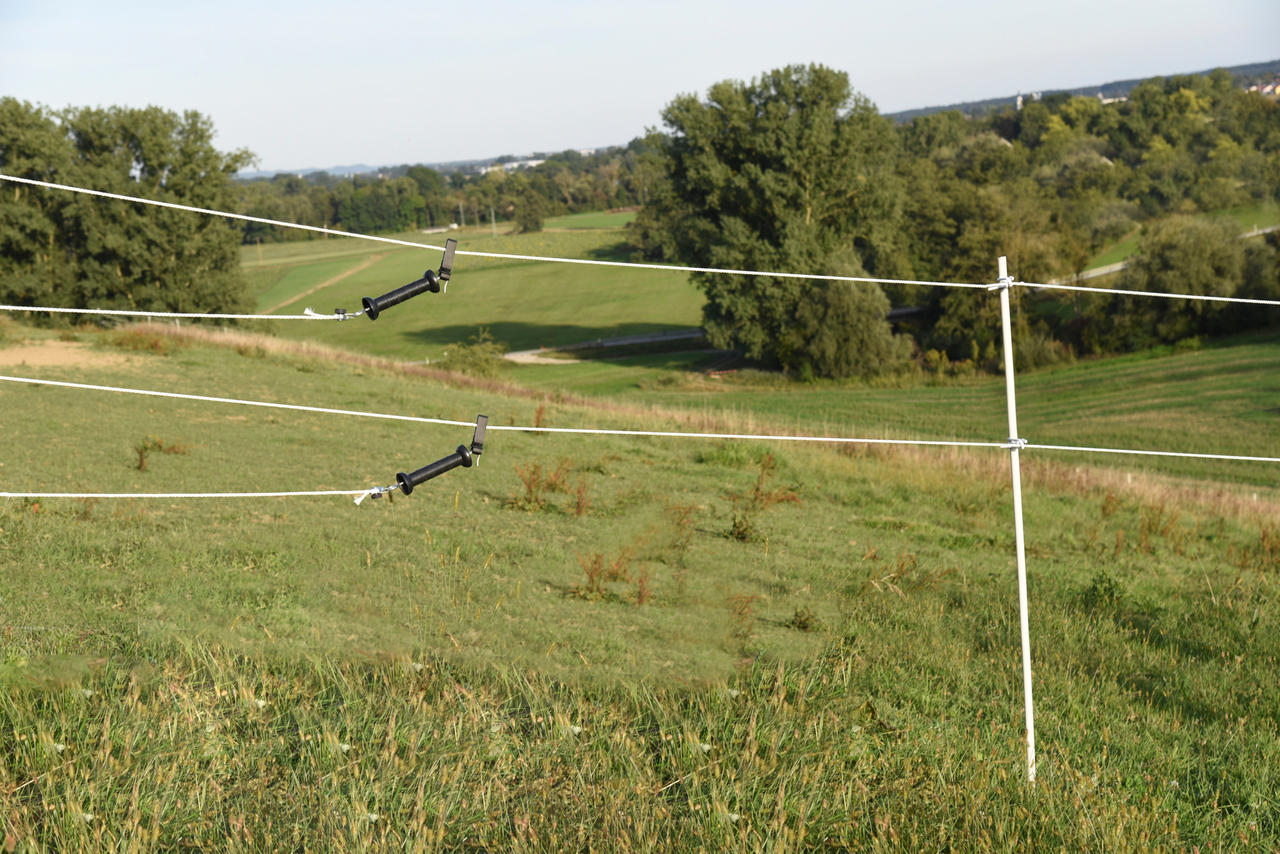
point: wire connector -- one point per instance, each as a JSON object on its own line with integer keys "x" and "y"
{"x": 1002, "y": 284}
{"x": 430, "y": 281}
{"x": 374, "y": 492}
{"x": 339, "y": 314}
{"x": 1015, "y": 444}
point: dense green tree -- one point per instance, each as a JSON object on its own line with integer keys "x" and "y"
{"x": 526, "y": 203}
{"x": 106, "y": 253}
{"x": 1180, "y": 255}
{"x": 33, "y": 263}
{"x": 791, "y": 171}
{"x": 434, "y": 192}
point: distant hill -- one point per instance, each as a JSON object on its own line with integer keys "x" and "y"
{"x": 338, "y": 171}
{"x": 390, "y": 170}
{"x": 1114, "y": 89}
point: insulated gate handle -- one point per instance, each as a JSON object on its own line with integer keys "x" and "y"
{"x": 463, "y": 456}
{"x": 430, "y": 281}
{"x": 460, "y": 457}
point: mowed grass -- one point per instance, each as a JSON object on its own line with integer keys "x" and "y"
{"x": 1222, "y": 399}
{"x": 602, "y": 219}
{"x": 436, "y": 671}
{"x": 524, "y": 305}
{"x": 1246, "y": 217}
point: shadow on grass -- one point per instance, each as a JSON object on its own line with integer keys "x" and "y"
{"x": 530, "y": 336}
{"x": 621, "y": 251}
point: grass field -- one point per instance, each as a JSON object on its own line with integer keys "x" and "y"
{"x": 525, "y": 305}
{"x": 604, "y": 219}
{"x": 614, "y": 643}
{"x": 598, "y": 663}
{"x": 1224, "y": 398}
{"x": 1247, "y": 217}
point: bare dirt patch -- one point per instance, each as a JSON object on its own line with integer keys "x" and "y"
{"x": 60, "y": 354}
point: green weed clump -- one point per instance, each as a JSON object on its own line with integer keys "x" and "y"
{"x": 535, "y": 487}
{"x": 144, "y": 449}
{"x": 747, "y": 506}
{"x": 540, "y": 481}
{"x": 143, "y": 341}
{"x": 601, "y": 571}
{"x": 478, "y": 356}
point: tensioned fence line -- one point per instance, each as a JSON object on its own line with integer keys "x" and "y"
{"x": 192, "y": 315}
{"x": 1151, "y": 453}
{"x": 605, "y": 431}
{"x": 507, "y": 256}
{"x": 1158, "y": 294}
{"x": 358, "y": 492}
{"x": 599, "y": 431}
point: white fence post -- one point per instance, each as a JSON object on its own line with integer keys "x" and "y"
{"x": 1015, "y": 444}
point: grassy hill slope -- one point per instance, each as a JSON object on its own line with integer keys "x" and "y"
{"x": 598, "y": 663}
{"x": 1224, "y": 398}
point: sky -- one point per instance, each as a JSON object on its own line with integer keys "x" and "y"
{"x": 319, "y": 84}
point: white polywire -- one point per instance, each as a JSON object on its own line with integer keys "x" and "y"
{"x": 501, "y": 255}
{"x": 119, "y": 312}
{"x": 1195, "y": 456}
{"x": 1158, "y": 294}
{"x": 501, "y": 427}
{"x": 721, "y": 270}
{"x": 192, "y": 209}
{"x": 674, "y": 434}
{"x": 234, "y": 400}
{"x": 183, "y": 494}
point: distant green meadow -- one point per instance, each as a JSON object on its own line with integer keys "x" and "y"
{"x": 525, "y": 305}
{"x": 1246, "y": 217}
{"x": 604, "y": 219}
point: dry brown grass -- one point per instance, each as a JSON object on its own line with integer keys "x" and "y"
{"x": 1245, "y": 503}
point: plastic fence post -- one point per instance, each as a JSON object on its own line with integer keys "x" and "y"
{"x": 1015, "y": 444}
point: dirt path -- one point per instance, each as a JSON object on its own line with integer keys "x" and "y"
{"x": 363, "y": 265}
{"x": 58, "y": 354}
{"x": 536, "y": 357}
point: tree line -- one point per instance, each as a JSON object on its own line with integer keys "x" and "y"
{"x": 69, "y": 250}
{"x": 416, "y": 197}
{"x": 795, "y": 171}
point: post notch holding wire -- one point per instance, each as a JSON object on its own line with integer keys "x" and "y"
{"x": 464, "y": 456}
{"x": 431, "y": 281}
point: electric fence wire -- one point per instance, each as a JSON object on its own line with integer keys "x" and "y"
{"x": 670, "y": 434}
{"x": 507, "y": 256}
{"x": 555, "y": 260}
{"x": 1150, "y": 453}
{"x": 1159, "y": 294}
{"x": 762, "y": 437}
{"x": 194, "y": 315}
{"x": 86, "y": 495}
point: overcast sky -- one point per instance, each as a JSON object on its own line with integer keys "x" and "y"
{"x": 320, "y": 84}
